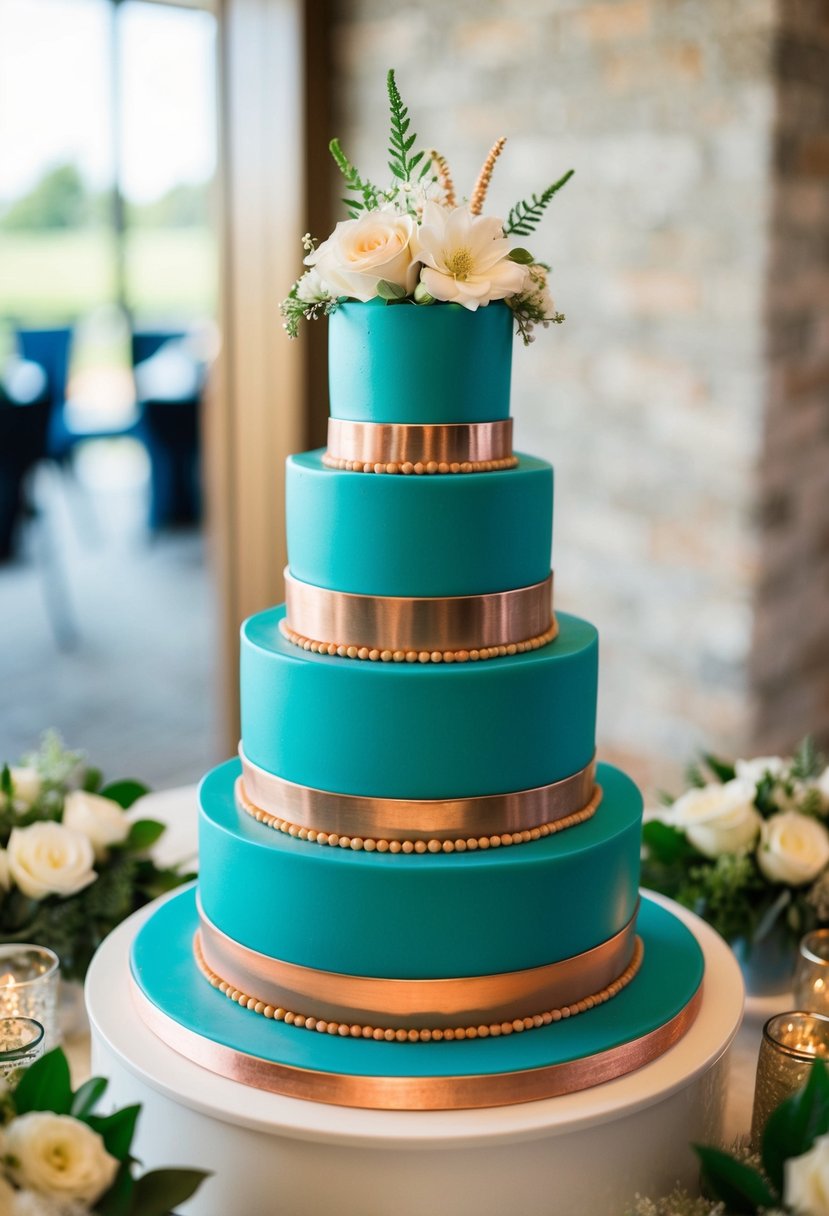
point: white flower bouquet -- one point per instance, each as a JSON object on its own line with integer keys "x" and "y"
{"x": 73, "y": 865}
{"x": 412, "y": 242}
{"x": 59, "y": 1158}
{"x": 747, "y": 846}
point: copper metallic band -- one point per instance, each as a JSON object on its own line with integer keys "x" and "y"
{"x": 434, "y": 447}
{"x": 419, "y": 1004}
{"x": 461, "y": 844}
{"x": 417, "y": 1093}
{"x": 411, "y": 819}
{"x": 405, "y": 624}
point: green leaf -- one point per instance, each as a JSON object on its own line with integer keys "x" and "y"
{"x": 666, "y": 843}
{"x": 119, "y": 1199}
{"x": 92, "y": 780}
{"x": 45, "y": 1085}
{"x": 721, "y": 769}
{"x": 6, "y": 787}
{"x": 86, "y": 1098}
{"x": 793, "y": 1128}
{"x": 117, "y": 1130}
{"x": 522, "y": 256}
{"x": 160, "y": 1191}
{"x": 142, "y": 834}
{"x": 741, "y": 1188}
{"x": 125, "y": 793}
{"x": 390, "y": 291}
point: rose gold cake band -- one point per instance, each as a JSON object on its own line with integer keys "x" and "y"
{"x": 412, "y": 819}
{"x": 402, "y": 445}
{"x": 417, "y": 1093}
{"x": 395, "y": 1003}
{"x": 404, "y": 624}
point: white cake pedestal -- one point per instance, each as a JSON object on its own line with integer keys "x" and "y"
{"x": 584, "y": 1152}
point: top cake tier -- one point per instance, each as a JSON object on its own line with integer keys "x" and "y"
{"x": 420, "y": 365}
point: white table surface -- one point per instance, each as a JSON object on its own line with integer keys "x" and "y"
{"x": 178, "y": 809}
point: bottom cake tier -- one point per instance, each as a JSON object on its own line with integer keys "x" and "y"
{"x": 644, "y": 1018}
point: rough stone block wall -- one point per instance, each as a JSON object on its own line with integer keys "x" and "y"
{"x": 790, "y": 656}
{"x": 675, "y": 519}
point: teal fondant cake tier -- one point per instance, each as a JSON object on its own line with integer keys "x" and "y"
{"x": 420, "y": 365}
{"x": 458, "y": 534}
{"x": 401, "y": 730}
{"x": 419, "y": 916}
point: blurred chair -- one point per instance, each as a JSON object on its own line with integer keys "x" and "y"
{"x": 25, "y": 412}
{"x": 51, "y": 349}
{"x": 168, "y": 386}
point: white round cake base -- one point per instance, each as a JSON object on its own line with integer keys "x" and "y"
{"x": 585, "y": 1152}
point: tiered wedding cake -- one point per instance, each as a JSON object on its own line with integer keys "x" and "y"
{"x": 416, "y": 887}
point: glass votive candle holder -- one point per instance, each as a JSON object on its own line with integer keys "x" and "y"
{"x": 811, "y": 976}
{"x": 29, "y": 979}
{"x": 21, "y": 1043}
{"x": 791, "y": 1043}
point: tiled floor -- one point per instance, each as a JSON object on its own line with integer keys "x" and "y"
{"x": 134, "y": 687}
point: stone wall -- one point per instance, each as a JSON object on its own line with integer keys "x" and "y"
{"x": 679, "y": 520}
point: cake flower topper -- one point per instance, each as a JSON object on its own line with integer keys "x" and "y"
{"x": 413, "y": 242}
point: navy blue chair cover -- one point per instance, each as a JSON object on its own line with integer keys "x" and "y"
{"x": 51, "y": 348}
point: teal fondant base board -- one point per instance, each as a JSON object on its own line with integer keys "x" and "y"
{"x": 643, "y": 1020}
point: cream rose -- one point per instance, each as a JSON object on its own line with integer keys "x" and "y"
{"x": 823, "y": 785}
{"x": 718, "y": 818}
{"x": 362, "y": 252}
{"x": 794, "y": 848}
{"x": 26, "y": 785}
{"x": 6, "y": 1197}
{"x": 311, "y": 289}
{"x": 30, "y": 1203}
{"x": 101, "y": 820}
{"x": 5, "y": 877}
{"x": 806, "y": 1180}
{"x": 758, "y": 768}
{"x": 50, "y": 859}
{"x": 59, "y": 1157}
{"x": 466, "y": 257}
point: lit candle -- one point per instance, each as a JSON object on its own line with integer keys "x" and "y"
{"x": 811, "y": 977}
{"x": 791, "y": 1044}
{"x": 29, "y": 978}
{"x": 21, "y": 1042}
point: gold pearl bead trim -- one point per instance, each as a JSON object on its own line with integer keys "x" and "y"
{"x": 462, "y": 845}
{"x": 419, "y": 467}
{"x": 374, "y": 654}
{"x": 418, "y": 1035}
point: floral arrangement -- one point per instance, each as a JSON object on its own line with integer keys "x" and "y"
{"x": 413, "y": 242}
{"x": 59, "y": 1158}
{"x": 73, "y": 865}
{"x": 747, "y": 846}
{"x": 790, "y": 1173}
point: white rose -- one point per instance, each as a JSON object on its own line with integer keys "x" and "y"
{"x": 359, "y": 253}
{"x": 5, "y": 879}
{"x": 50, "y": 859}
{"x": 26, "y": 785}
{"x": 806, "y": 1180}
{"x": 6, "y": 1198}
{"x": 794, "y": 848}
{"x": 466, "y": 257}
{"x": 718, "y": 818}
{"x": 101, "y": 820}
{"x": 758, "y": 768}
{"x": 59, "y": 1157}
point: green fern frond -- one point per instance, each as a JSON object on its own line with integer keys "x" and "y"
{"x": 525, "y": 216}
{"x": 401, "y": 143}
{"x": 369, "y": 193}
{"x": 807, "y": 761}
